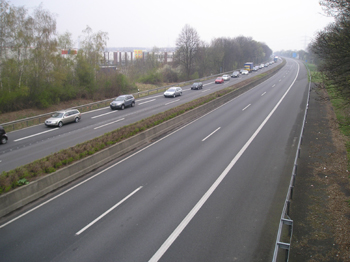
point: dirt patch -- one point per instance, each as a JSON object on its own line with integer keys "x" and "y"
{"x": 320, "y": 207}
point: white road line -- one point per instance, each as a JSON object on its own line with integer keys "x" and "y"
{"x": 274, "y": 85}
{"x": 172, "y": 102}
{"x": 104, "y": 114}
{"x": 141, "y": 99}
{"x": 35, "y": 134}
{"x": 211, "y": 134}
{"x": 147, "y": 102}
{"x": 108, "y": 211}
{"x": 263, "y": 94}
{"x": 88, "y": 112}
{"x": 109, "y": 123}
{"x": 205, "y": 90}
{"x": 160, "y": 252}
{"x": 246, "y": 107}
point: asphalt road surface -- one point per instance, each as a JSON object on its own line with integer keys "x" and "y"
{"x": 211, "y": 191}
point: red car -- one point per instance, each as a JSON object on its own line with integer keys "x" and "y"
{"x": 219, "y": 80}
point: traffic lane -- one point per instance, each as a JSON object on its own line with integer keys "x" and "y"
{"x": 239, "y": 221}
{"x": 167, "y": 164}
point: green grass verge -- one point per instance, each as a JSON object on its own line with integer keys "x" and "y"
{"x": 340, "y": 104}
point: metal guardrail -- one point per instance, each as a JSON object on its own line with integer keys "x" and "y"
{"x": 36, "y": 120}
{"x": 285, "y": 219}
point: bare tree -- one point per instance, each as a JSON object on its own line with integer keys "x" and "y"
{"x": 187, "y": 46}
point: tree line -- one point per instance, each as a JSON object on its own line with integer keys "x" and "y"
{"x": 331, "y": 45}
{"x": 195, "y": 58}
{"x": 33, "y": 73}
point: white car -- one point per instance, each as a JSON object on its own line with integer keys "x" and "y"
{"x": 173, "y": 91}
{"x": 226, "y": 77}
{"x": 245, "y": 72}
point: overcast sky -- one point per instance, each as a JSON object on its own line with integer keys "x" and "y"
{"x": 281, "y": 24}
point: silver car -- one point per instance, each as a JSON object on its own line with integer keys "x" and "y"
{"x": 60, "y": 118}
{"x": 173, "y": 91}
{"x": 122, "y": 102}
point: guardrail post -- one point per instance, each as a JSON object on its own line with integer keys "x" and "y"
{"x": 286, "y": 247}
{"x": 291, "y": 188}
{"x": 288, "y": 207}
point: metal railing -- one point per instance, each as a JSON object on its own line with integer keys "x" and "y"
{"x": 285, "y": 220}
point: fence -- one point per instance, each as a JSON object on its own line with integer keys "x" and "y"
{"x": 285, "y": 221}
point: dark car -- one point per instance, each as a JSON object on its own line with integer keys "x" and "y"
{"x": 235, "y": 74}
{"x": 122, "y": 102}
{"x": 219, "y": 80}
{"x": 3, "y": 136}
{"x": 197, "y": 85}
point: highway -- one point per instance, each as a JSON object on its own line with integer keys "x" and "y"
{"x": 210, "y": 191}
{"x": 29, "y": 144}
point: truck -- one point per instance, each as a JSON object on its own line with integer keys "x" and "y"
{"x": 249, "y": 66}
{"x": 275, "y": 59}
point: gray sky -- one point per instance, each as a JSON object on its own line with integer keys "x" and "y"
{"x": 280, "y": 24}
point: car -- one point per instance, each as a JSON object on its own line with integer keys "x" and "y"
{"x": 122, "y": 102}
{"x": 173, "y": 92}
{"x": 255, "y": 68}
{"x": 240, "y": 71}
{"x": 245, "y": 72}
{"x": 197, "y": 85}
{"x": 219, "y": 80}
{"x": 262, "y": 65}
{"x": 62, "y": 117}
{"x": 235, "y": 74}
{"x": 267, "y": 64}
{"x": 3, "y": 136}
{"x": 226, "y": 77}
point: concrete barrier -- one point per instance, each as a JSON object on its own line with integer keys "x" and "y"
{"x": 36, "y": 189}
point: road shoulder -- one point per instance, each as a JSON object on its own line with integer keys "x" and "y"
{"x": 320, "y": 206}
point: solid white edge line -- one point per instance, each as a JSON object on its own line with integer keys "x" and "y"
{"x": 104, "y": 114}
{"x": 109, "y": 123}
{"x": 160, "y": 252}
{"x": 171, "y": 102}
{"x": 211, "y": 134}
{"x": 108, "y": 211}
{"x": 147, "y": 102}
{"x": 35, "y": 134}
{"x": 263, "y": 94}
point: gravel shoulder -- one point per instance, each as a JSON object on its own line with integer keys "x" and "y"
{"x": 320, "y": 208}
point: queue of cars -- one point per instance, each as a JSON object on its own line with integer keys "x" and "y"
{"x": 60, "y": 118}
